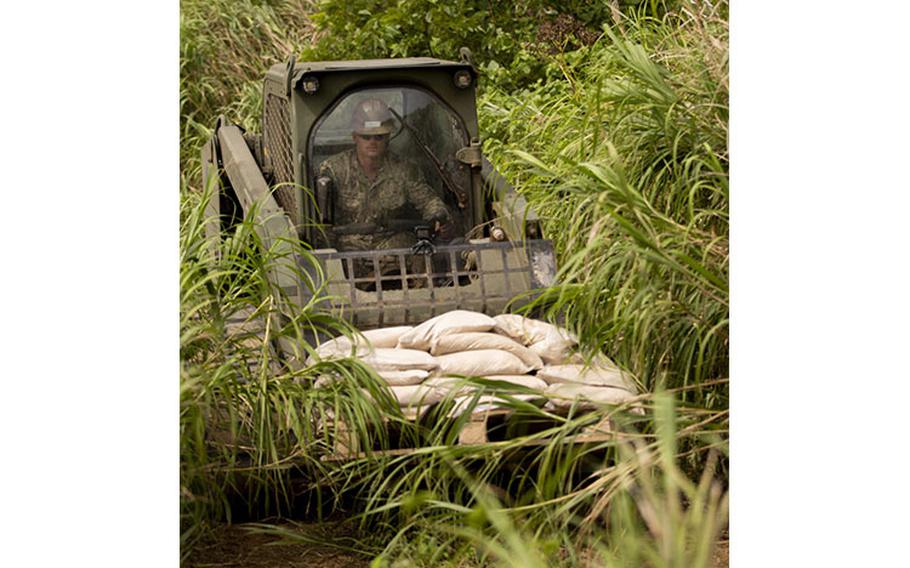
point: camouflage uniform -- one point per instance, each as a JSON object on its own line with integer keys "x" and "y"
{"x": 398, "y": 186}
{"x": 357, "y": 200}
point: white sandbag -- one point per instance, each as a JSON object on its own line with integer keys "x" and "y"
{"x": 417, "y": 395}
{"x": 598, "y": 360}
{"x": 517, "y": 327}
{"x": 601, "y": 360}
{"x": 456, "y": 321}
{"x": 463, "y": 404}
{"x": 464, "y": 387}
{"x": 565, "y": 394}
{"x": 527, "y": 331}
{"x": 551, "y": 343}
{"x": 475, "y": 340}
{"x": 521, "y": 380}
{"x": 484, "y": 403}
{"x": 385, "y": 359}
{"x": 403, "y": 378}
{"x": 594, "y": 375}
{"x": 449, "y": 385}
{"x": 553, "y": 352}
{"x": 556, "y": 347}
{"x": 339, "y": 348}
{"x": 360, "y": 344}
{"x": 481, "y": 363}
{"x": 386, "y": 337}
{"x": 391, "y": 378}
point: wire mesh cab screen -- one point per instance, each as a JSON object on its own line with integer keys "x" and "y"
{"x": 382, "y": 288}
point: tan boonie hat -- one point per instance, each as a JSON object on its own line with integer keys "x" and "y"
{"x": 371, "y": 116}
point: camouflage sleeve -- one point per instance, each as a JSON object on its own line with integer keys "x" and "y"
{"x": 335, "y": 167}
{"x": 424, "y": 198}
{"x": 325, "y": 169}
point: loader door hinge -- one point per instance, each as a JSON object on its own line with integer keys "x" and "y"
{"x": 470, "y": 155}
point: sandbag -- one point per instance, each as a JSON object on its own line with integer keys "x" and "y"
{"x": 386, "y": 337}
{"x": 403, "y": 378}
{"x": 516, "y": 327}
{"x": 463, "y": 404}
{"x": 391, "y": 378}
{"x": 417, "y": 395}
{"x": 385, "y": 359}
{"x": 527, "y": 331}
{"x": 343, "y": 346}
{"x": 339, "y": 348}
{"x": 587, "y": 375}
{"x": 463, "y": 387}
{"x": 556, "y": 347}
{"x": 551, "y": 343}
{"x": 481, "y": 363}
{"x": 521, "y": 380}
{"x": 456, "y": 321}
{"x": 475, "y": 340}
{"x": 449, "y": 385}
{"x": 565, "y": 394}
{"x": 484, "y": 403}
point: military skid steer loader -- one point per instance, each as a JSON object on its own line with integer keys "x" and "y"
{"x": 299, "y": 178}
{"x": 293, "y": 176}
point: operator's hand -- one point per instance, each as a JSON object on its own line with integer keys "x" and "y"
{"x": 445, "y": 230}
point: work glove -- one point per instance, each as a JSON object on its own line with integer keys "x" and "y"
{"x": 445, "y": 230}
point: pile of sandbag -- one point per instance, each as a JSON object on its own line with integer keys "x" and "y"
{"x": 421, "y": 365}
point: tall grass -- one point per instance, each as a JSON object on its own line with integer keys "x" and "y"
{"x": 633, "y": 144}
{"x": 226, "y": 46}
{"x": 249, "y": 416}
{"x": 623, "y": 502}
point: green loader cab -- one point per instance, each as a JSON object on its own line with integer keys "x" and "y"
{"x": 376, "y": 166}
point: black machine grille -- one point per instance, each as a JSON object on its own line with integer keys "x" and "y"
{"x": 277, "y": 132}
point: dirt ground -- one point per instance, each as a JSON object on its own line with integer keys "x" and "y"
{"x": 238, "y": 546}
{"x": 722, "y": 555}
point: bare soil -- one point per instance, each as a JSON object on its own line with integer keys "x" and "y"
{"x": 241, "y": 545}
{"x": 721, "y": 557}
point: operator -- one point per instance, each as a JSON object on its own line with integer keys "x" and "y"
{"x": 373, "y": 185}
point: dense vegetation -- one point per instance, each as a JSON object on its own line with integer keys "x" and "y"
{"x": 612, "y": 120}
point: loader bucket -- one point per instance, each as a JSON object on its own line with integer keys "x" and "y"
{"x": 480, "y": 276}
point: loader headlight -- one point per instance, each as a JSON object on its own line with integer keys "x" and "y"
{"x": 463, "y": 79}
{"x": 310, "y": 85}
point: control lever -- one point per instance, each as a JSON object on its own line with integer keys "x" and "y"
{"x": 424, "y": 243}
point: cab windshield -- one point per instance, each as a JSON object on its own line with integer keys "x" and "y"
{"x": 423, "y": 137}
